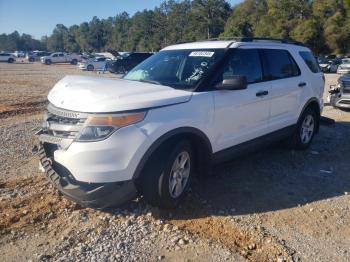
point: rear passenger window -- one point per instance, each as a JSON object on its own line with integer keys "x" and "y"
{"x": 310, "y": 60}
{"x": 279, "y": 64}
{"x": 245, "y": 62}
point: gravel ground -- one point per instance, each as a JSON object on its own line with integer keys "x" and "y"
{"x": 275, "y": 205}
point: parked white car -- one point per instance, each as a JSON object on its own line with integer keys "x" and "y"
{"x": 19, "y": 54}
{"x": 60, "y": 57}
{"x": 344, "y": 67}
{"x": 97, "y": 63}
{"x": 170, "y": 118}
{"x": 7, "y": 57}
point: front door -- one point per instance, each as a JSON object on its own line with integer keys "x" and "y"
{"x": 241, "y": 115}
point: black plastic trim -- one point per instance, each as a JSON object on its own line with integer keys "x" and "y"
{"x": 252, "y": 145}
{"x": 95, "y": 195}
{"x": 166, "y": 137}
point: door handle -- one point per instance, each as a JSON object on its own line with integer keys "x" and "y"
{"x": 302, "y": 84}
{"x": 262, "y": 93}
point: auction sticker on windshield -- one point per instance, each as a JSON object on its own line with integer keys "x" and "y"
{"x": 202, "y": 53}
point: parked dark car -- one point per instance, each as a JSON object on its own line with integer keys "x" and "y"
{"x": 329, "y": 65}
{"x": 127, "y": 62}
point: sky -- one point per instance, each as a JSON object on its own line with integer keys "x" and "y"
{"x": 39, "y": 17}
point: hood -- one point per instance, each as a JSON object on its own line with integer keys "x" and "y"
{"x": 102, "y": 95}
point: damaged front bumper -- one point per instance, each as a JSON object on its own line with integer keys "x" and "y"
{"x": 95, "y": 195}
{"x": 338, "y": 98}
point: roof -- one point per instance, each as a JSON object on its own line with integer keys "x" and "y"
{"x": 200, "y": 45}
{"x": 233, "y": 43}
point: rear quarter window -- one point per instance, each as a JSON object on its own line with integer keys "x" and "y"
{"x": 310, "y": 61}
{"x": 279, "y": 64}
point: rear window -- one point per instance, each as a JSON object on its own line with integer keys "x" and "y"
{"x": 278, "y": 64}
{"x": 310, "y": 61}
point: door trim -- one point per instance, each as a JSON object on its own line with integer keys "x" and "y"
{"x": 252, "y": 145}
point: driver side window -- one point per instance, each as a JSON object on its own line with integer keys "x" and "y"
{"x": 244, "y": 62}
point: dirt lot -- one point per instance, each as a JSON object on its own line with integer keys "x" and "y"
{"x": 275, "y": 205}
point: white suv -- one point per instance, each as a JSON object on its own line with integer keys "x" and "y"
{"x": 104, "y": 141}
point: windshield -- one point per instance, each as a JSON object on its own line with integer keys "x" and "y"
{"x": 180, "y": 69}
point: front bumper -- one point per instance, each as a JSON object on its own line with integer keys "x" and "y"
{"x": 339, "y": 100}
{"x": 82, "y": 66}
{"x": 324, "y": 69}
{"x": 96, "y": 195}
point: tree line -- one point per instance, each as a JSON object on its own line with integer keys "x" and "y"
{"x": 323, "y": 25}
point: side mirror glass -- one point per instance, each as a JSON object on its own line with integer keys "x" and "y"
{"x": 237, "y": 82}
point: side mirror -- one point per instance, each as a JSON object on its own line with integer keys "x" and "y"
{"x": 237, "y": 82}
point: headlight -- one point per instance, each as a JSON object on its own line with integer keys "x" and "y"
{"x": 97, "y": 127}
{"x": 339, "y": 84}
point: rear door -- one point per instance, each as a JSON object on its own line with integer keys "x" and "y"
{"x": 241, "y": 115}
{"x": 283, "y": 74}
{"x": 59, "y": 58}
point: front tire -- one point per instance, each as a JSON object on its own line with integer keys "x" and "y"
{"x": 167, "y": 175}
{"x": 306, "y": 129}
{"x": 74, "y": 62}
{"x": 10, "y": 60}
{"x": 121, "y": 70}
{"x": 48, "y": 62}
{"x": 90, "y": 68}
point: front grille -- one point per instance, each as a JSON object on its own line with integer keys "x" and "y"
{"x": 61, "y": 127}
{"x": 346, "y": 86}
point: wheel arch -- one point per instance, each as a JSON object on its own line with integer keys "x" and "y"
{"x": 200, "y": 142}
{"x": 315, "y": 105}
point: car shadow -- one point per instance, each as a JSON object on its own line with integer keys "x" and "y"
{"x": 273, "y": 178}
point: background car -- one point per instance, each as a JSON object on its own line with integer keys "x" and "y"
{"x": 97, "y": 63}
{"x": 7, "y": 57}
{"x": 344, "y": 67}
{"x": 127, "y": 62}
{"x": 339, "y": 95}
{"x": 60, "y": 57}
{"x": 329, "y": 65}
{"x": 35, "y": 56}
{"x": 19, "y": 54}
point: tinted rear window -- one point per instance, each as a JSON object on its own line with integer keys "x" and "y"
{"x": 310, "y": 61}
{"x": 279, "y": 64}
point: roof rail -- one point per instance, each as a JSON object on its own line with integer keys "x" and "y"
{"x": 263, "y": 39}
{"x": 248, "y": 39}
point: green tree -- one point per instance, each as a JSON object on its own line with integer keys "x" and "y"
{"x": 56, "y": 41}
{"x": 210, "y": 17}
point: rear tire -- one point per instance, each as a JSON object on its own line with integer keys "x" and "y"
{"x": 167, "y": 175}
{"x": 306, "y": 129}
{"x": 74, "y": 62}
{"x": 10, "y": 60}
